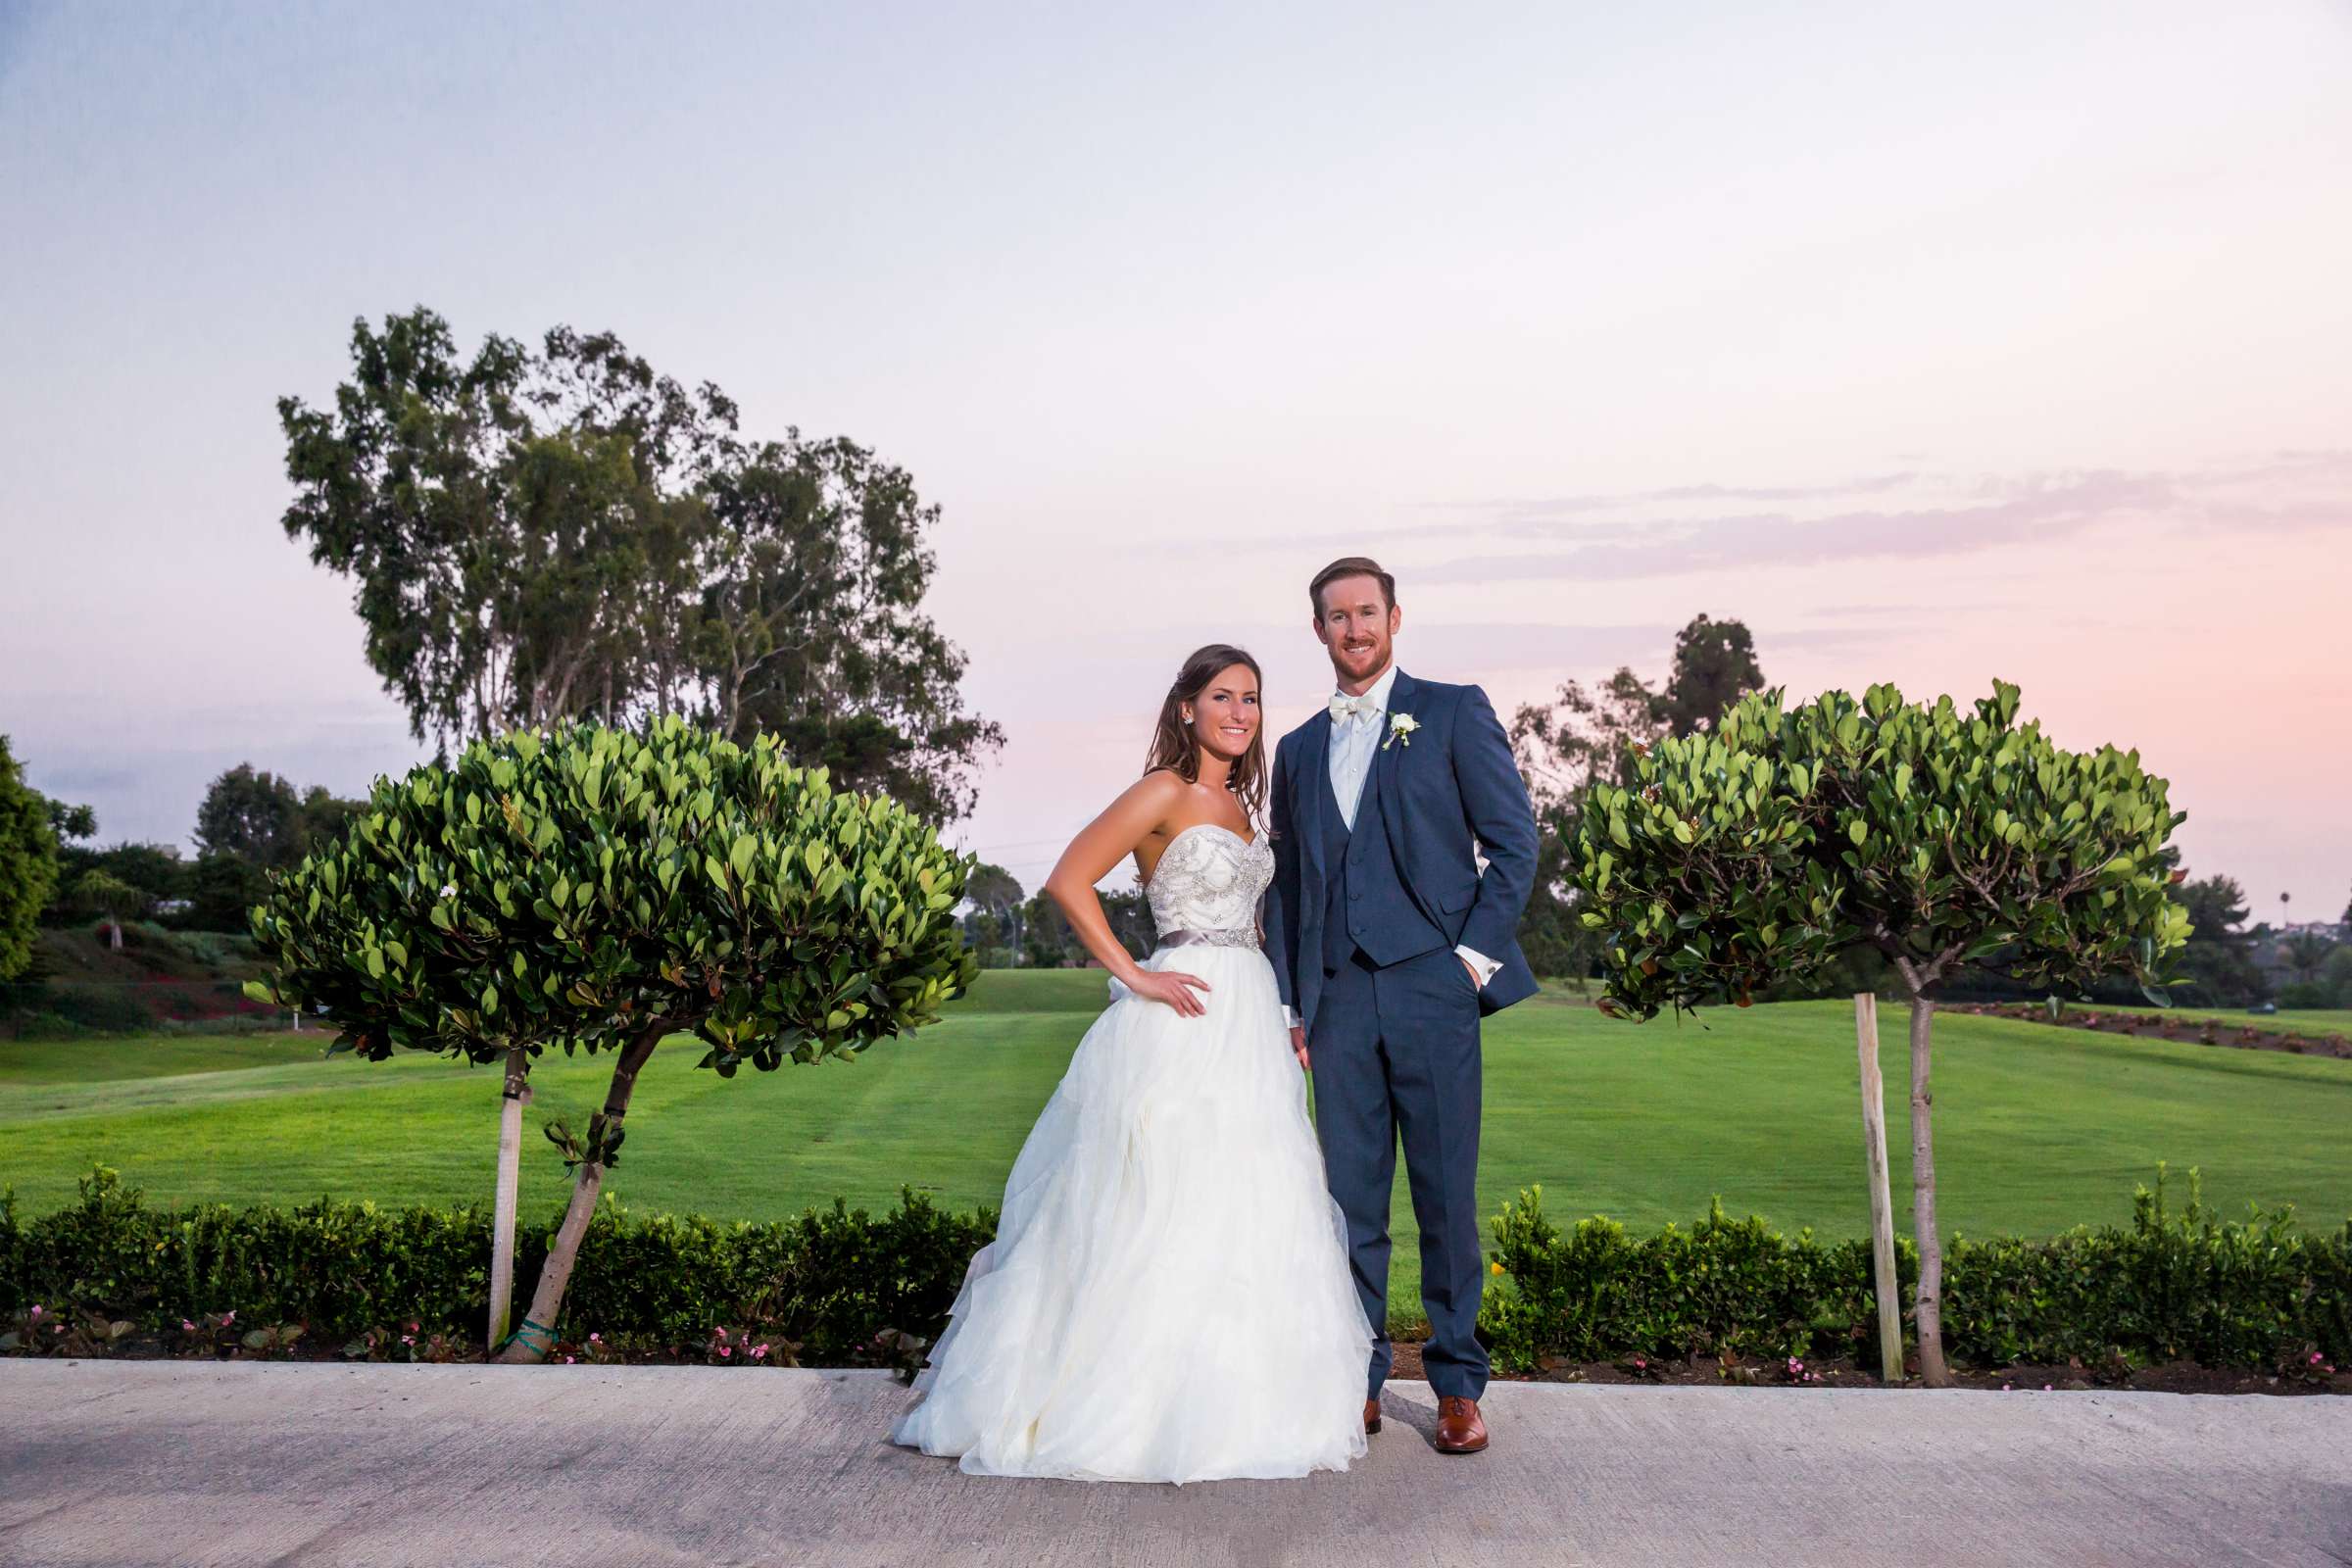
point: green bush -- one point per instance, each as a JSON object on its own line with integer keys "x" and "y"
{"x": 2184, "y": 1286}
{"x": 2169, "y": 1285}
{"x": 829, "y": 1280}
{"x": 1724, "y": 1286}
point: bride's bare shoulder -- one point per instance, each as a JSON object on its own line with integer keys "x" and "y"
{"x": 1161, "y": 784}
{"x": 1147, "y": 804}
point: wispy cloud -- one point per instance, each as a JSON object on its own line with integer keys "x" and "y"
{"x": 2290, "y": 492}
{"x": 1536, "y": 511}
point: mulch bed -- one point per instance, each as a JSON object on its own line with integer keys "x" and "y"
{"x": 2177, "y": 1377}
{"x": 2165, "y": 1026}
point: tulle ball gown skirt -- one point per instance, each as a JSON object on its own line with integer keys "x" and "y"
{"x": 1168, "y": 1297}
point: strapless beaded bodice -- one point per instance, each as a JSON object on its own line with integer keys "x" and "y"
{"x": 1210, "y": 879}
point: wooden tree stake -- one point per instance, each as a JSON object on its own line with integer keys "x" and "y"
{"x": 1882, "y": 1201}
{"x": 517, "y": 1090}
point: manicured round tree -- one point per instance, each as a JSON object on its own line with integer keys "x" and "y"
{"x": 1755, "y": 855}
{"x": 601, "y": 889}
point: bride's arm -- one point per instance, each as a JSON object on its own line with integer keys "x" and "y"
{"x": 1100, "y": 846}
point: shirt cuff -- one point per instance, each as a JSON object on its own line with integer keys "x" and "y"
{"x": 1290, "y": 1016}
{"x": 1486, "y": 968}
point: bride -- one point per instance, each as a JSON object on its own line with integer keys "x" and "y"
{"x": 1168, "y": 1297}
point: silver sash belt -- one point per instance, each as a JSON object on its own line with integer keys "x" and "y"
{"x": 1236, "y": 937}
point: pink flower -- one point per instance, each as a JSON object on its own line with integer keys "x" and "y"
{"x": 36, "y": 1311}
{"x": 722, "y": 1334}
{"x": 412, "y": 1328}
{"x": 567, "y": 1360}
{"x": 228, "y": 1317}
{"x": 187, "y": 1326}
{"x": 759, "y": 1352}
{"x": 2047, "y": 1387}
{"x": 595, "y": 1339}
{"x": 2315, "y": 1357}
{"x": 725, "y": 1351}
{"x": 408, "y": 1339}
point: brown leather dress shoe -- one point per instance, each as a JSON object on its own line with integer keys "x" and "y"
{"x": 1371, "y": 1417}
{"x": 1461, "y": 1430}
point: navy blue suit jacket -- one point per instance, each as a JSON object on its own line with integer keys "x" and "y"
{"x": 1453, "y": 790}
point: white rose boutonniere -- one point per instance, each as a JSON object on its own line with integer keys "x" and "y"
{"x": 1401, "y": 729}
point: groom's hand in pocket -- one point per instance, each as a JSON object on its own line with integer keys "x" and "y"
{"x": 1298, "y": 1044}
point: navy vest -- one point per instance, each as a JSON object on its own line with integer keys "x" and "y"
{"x": 1366, "y": 906}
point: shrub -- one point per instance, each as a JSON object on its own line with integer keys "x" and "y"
{"x": 2258, "y": 1294}
{"x": 828, "y": 1280}
{"x": 2186, "y": 1286}
{"x": 1724, "y": 1286}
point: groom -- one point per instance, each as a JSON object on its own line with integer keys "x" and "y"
{"x": 1389, "y": 944}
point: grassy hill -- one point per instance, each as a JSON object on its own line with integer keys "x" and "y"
{"x": 2038, "y": 1128}
{"x": 79, "y": 980}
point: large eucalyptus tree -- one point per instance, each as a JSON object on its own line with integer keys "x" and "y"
{"x": 555, "y": 532}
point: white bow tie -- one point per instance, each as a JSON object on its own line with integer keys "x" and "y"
{"x": 1343, "y": 709}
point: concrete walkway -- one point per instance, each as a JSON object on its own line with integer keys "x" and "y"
{"x": 213, "y": 1464}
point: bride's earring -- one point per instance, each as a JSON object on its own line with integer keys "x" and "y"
{"x": 1188, "y": 718}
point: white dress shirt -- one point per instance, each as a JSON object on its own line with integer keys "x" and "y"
{"x": 1355, "y": 739}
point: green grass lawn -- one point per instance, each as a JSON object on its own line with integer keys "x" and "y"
{"x": 2038, "y": 1128}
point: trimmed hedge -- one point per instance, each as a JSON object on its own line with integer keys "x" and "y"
{"x": 2188, "y": 1285}
{"x": 2259, "y": 1293}
{"x": 828, "y": 1280}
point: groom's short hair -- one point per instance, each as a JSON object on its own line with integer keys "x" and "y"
{"x": 1352, "y": 566}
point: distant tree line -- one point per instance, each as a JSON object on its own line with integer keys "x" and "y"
{"x": 250, "y": 823}
{"x": 1011, "y": 929}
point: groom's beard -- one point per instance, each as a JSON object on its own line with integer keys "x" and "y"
{"x": 1347, "y": 663}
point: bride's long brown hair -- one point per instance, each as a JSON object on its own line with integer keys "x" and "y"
{"x": 1176, "y": 747}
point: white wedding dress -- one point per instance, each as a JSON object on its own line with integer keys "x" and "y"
{"x": 1168, "y": 1297}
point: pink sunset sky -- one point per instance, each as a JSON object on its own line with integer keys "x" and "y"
{"x": 1938, "y": 347}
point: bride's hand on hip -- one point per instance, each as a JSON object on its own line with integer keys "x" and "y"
{"x": 1170, "y": 986}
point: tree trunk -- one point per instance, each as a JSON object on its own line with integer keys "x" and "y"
{"x": 509, "y": 1160}
{"x": 556, "y": 1274}
{"x": 1881, "y": 1201}
{"x": 1931, "y": 1369}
